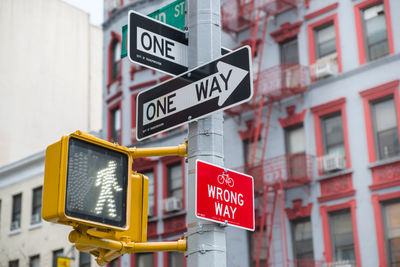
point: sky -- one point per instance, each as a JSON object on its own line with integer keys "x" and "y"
{"x": 93, "y": 7}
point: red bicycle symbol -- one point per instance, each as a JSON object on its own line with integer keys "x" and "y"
{"x": 224, "y": 178}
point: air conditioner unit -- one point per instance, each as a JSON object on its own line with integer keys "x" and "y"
{"x": 35, "y": 219}
{"x": 325, "y": 67}
{"x": 333, "y": 162}
{"x": 172, "y": 204}
{"x": 150, "y": 211}
{"x": 15, "y": 225}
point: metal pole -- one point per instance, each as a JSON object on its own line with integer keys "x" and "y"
{"x": 206, "y": 240}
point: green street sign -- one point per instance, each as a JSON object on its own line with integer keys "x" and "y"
{"x": 172, "y": 14}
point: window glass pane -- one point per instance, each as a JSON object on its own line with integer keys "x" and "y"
{"x": 14, "y": 263}
{"x": 16, "y": 212}
{"x": 332, "y": 128}
{"x": 385, "y": 128}
{"x": 56, "y": 254}
{"x": 115, "y": 124}
{"x": 385, "y": 113}
{"x": 36, "y": 205}
{"x": 175, "y": 180}
{"x": 325, "y": 39}
{"x": 34, "y": 261}
{"x": 342, "y": 235}
{"x": 302, "y": 235}
{"x": 117, "y": 52}
{"x": 144, "y": 260}
{"x": 150, "y": 175}
{"x": 84, "y": 259}
{"x": 175, "y": 259}
{"x": 392, "y": 232}
{"x": 375, "y": 31}
{"x": 289, "y": 52}
{"x": 295, "y": 140}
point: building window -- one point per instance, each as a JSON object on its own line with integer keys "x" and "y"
{"x": 302, "y": 241}
{"x": 57, "y": 253}
{"x": 289, "y": 51}
{"x": 115, "y": 124}
{"x": 374, "y": 29}
{"x": 324, "y": 47}
{"x": 296, "y": 162}
{"x": 391, "y": 219}
{"x": 114, "y": 60}
{"x": 116, "y": 50}
{"x": 34, "y": 261}
{"x": 13, "y": 263}
{"x": 16, "y": 212}
{"x": 36, "y": 205}
{"x": 325, "y": 40}
{"x": 175, "y": 259}
{"x": 84, "y": 259}
{"x": 295, "y": 139}
{"x": 174, "y": 184}
{"x": 342, "y": 239}
{"x": 332, "y": 134}
{"x": 375, "y": 32}
{"x": 144, "y": 260}
{"x": 114, "y": 263}
{"x": 385, "y": 127}
{"x": 151, "y": 200}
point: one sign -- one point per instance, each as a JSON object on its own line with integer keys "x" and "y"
{"x": 217, "y": 85}
{"x": 172, "y": 14}
{"x": 157, "y": 45}
{"x": 224, "y": 196}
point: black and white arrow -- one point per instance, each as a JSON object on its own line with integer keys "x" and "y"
{"x": 221, "y": 84}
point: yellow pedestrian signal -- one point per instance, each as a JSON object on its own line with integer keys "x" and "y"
{"x": 86, "y": 181}
{"x": 89, "y": 184}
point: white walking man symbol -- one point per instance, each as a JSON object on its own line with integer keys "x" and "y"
{"x": 106, "y": 178}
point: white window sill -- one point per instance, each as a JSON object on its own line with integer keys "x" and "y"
{"x": 14, "y": 232}
{"x": 34, "y": 226}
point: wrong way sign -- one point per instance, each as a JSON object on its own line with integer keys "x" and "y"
{"x": 224, "y": 196}
{"x": 217, "y": 85}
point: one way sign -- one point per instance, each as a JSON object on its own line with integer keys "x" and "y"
{"x": 217, "y": 85}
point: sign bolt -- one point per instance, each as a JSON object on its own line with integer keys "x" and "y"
{"x": 189, "y": 117}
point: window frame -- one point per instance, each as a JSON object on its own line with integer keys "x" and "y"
{"x": 115, "y": 37}
{"x": 37, "y": 206}
{"x": 358, "y": 8}
{"x": 155, "y": 259}
{"x": 13, "y": 212}
{"x": 111, "y": 109}
{"x": 166, "y": 259}
{"x": 311, "y": 39}
{"x": 372, "y": 94}
{"x": 324, "y": 211}
{"x": 165, "y": 163}
{"x": 323, "y": 129}
{"x": 34, "y": 257}
{"x": 338, "y": 105}
{"x": 292, "y": 228}
{"x": 374, "y": 126}
{"x": 142, "y": 165}
{"x": 54, "y": 257}
{"x": 287, "y": 43}
{"x": 377, "y": 201}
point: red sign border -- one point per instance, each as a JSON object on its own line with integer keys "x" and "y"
{"x": 219, "y": 222}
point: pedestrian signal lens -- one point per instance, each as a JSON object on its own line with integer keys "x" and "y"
{"x": 96, "y": 186}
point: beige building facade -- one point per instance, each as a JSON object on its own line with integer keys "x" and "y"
{"x": 50, "y": 85}
{"x": 50, "y": 75}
